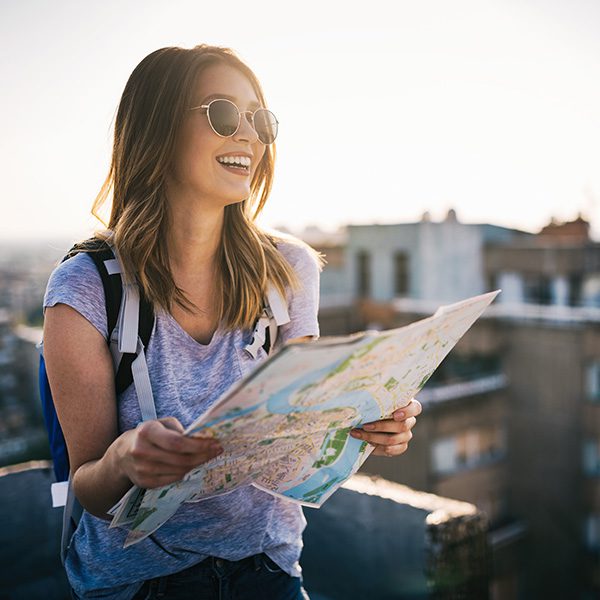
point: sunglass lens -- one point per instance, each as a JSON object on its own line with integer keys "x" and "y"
{"x": 265, "y": 125}
{"x": 224, "y": 117}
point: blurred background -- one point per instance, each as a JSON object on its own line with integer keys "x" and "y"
{"x": 432, "y": 151}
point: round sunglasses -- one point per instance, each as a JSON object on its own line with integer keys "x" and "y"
{"x": 225, "y": 117}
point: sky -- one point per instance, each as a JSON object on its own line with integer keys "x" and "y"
{"x": 386, "y": 109}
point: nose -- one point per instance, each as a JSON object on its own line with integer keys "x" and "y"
{"x": 246, "y": 131}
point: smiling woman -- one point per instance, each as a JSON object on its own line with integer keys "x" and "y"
{"x": 192, "y": 167}
{"x": 172, "y": 153}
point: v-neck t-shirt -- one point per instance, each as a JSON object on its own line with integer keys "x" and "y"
{"x": 187, "y": 377}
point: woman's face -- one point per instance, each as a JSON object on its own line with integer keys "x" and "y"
{"x": 196, "y": 172}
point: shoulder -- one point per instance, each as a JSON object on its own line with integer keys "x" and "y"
{"x": 77, "y": 283}
{"x": 302, "y": 257}
{"x": 76, "y": 271}
{"x": 303, "y": 299}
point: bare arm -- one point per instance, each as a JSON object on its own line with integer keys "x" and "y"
{"x": 104, "y": 465}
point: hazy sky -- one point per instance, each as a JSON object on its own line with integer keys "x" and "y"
{"x": 386, "y": 109}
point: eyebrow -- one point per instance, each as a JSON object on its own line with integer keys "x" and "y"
{"x": 252, "y": 104}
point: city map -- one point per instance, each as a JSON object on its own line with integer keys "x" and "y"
{"x": 285, "y": 427}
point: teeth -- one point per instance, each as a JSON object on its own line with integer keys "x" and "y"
{"x": 244, "y": 161}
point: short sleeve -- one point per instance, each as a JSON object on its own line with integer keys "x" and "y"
{"x": 303, "y": 303}
{"x": 77, "y": 283}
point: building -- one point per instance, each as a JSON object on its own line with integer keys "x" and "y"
{"x": 511, "y": 418}
{"x": 423, "y": 261}
{"x": 22, "y": 433}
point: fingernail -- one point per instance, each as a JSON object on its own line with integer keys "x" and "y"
{"x": 355, "y": 433}
{"x": 399, "y": 416}
{"x": 369, "y": 426}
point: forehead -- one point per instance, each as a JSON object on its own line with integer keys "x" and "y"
{"x": 224, "y": 81}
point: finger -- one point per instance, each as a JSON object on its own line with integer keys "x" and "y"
{"x": 156, "y": 434}
{"x": 163, "y": 461}
{"x": 396, "y": 450}
{"x": 390, "y": 425}
{"x": 412, "y": 409}
{"x": 382, "y": 439}
{"x": 153, "y": 462}
{"x": 172, "y": 423}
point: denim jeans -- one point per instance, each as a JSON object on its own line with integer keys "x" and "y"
{"x": 253, "y": 578}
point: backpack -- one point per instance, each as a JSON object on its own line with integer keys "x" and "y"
{"x": 130, "y": 319}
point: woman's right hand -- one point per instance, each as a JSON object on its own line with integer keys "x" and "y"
{"x": 157, "y": 452}
{"x": 105, "y": 464}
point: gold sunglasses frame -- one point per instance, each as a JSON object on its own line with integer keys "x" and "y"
{"x": 240, "y": 113}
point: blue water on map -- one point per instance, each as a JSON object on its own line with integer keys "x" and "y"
{"x": 343, "y": 466}
{"x": 278, "y": 402}
{"x": 339, "y": 471}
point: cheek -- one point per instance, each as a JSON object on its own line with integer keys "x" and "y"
{"x": 194, "y": 156}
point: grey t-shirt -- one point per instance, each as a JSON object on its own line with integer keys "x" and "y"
{"x": 187, "y": 378}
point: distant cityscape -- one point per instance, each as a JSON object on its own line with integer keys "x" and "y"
{"x": 511, "y": 419}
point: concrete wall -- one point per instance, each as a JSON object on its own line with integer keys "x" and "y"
{"x": 371, "y": 540}
{"x": 545, "y": 451}
{"x": 29, "y": 535}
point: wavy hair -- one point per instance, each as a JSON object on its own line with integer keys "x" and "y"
{"x": 149, "y": 117}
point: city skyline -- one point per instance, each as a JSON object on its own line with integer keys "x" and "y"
{"x": 491, "y": 107}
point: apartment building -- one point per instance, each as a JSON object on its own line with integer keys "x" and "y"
{"x": 511, "y": 419}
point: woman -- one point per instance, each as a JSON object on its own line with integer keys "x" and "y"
{"x": 189, "y": 174}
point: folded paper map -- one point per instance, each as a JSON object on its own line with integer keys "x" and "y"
{"x": 285, "y": 427}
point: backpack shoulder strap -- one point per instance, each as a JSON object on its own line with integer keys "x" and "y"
{"x": 109, "y": 268}
{"x": 101, "y": 253}
{"x": 275, "y": 314}
{"x": 124, "y": 375}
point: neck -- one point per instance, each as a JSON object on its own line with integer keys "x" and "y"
{"x": 194, "y": 237}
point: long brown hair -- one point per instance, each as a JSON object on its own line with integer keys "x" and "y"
{"x": 151, "y": 111}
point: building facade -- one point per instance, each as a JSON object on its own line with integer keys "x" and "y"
{"x": 511, "y": 418}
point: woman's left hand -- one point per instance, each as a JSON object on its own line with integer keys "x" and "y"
{"x": 390, "y": 436}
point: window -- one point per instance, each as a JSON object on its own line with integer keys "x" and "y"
{"x": 592, "y": 532}
{"x": 593, "y": 381}
{"x": 468, "y": 449}
{"x": 401, "y": 274}
{"x": 591, "y": 456}
{"x": 363, "y": 261}
{"x": 444, "y": 455}
{"x": 575, "y": 289}
{"x": 538, "y": 290}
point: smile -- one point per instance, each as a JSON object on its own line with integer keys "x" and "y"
{"x": 235, "y": 164}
